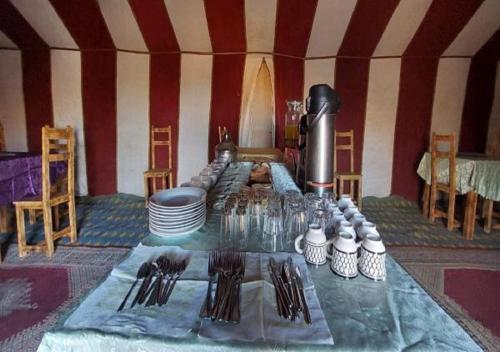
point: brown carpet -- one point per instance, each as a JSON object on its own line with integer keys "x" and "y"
{"x": 37, "y": 292}
{"x": 430, "y": 266}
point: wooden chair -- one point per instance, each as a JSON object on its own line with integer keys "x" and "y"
{"x": 222, "y": 131}
{"x": 155, "y": 173}
{"x": 57, "y": 146}
{"x": 489, "y": 214}
{"x": 2, "y": 139}
{"x": 450, "y": 188}
{"x": 348, "y": 176}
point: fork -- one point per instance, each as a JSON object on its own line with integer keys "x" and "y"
{"x": 180, "y": 269}
{"x": 206, "y": 309}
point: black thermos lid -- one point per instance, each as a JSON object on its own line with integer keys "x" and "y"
{"x": 321, "y": 93}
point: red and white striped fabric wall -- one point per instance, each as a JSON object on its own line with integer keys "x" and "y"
{"x": 113, "y": 68}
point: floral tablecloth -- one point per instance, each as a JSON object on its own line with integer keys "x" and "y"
{"x": 473, "y": 173}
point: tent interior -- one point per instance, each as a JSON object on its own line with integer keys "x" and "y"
{"x": 113, "y": 70}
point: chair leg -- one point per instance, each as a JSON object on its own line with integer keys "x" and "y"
{"x": 164, "y": 182}
{"x": 451, "y": 211}
{"x": 21, "y": 232}
{"x": 360, "y": 194}
{"x": 487, "y": 214}
{"x": 4, "y": 218}
{"x": 170, "y": 181}
{"x": 72, "y": 220}
{"x": 154, "y": 179}
{"x": 432, "y": 204}
{"x": 146, "y": 190}
{"x": 425, "y": 200}
{"x": 341, "y": 186}
{"x": 32, "y": 216}
{"x": 47, "y": 225}
{"x": 56, "y": 217}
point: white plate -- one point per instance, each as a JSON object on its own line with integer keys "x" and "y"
{"x": 178, "y": 232}
{"x": 176, "y": 210}
{"x": 178, "y": 214}
{"x": 178, "y": 198}
{"x": 173, "y": 227}
{"x": 178, "y": 223}
{"x": 173, "y": 221}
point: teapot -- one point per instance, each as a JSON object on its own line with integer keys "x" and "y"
{"x": 226, "y": 150}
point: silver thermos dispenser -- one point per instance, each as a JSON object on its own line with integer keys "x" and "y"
{"x": 322, "y": 105}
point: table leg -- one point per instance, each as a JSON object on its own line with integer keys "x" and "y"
{"x": 470, "y": 215}
{"x": 4, "y": 219}
{"x": 487, "y": 214}
{"x": 425, "y": 200}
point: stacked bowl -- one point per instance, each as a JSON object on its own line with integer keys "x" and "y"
{"x": 177, "y": 211}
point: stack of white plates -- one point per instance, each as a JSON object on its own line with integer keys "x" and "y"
{"x": 177, "y": 211}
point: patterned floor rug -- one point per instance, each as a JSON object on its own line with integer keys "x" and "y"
{"x": 460, "y": 281}
{"x": 118, "y": 220}
{"x": 36, "y": 292}
{"x": 401, "y": 223}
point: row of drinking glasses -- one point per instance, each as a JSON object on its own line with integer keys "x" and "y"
{"x": 245, "y": 212}
{"x": 278, "y": 222}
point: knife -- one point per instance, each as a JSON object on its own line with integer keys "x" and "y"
{"x": 307, "y": 315}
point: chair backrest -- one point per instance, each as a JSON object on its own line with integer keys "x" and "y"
{"x": 222, "y": 131}
{"x": 2, "y": 139}
{"x": 348, "y": 146}
{"x": 58, "y": 146}
{"x": 157, "y": 141}
{"x": 448, "y": 152}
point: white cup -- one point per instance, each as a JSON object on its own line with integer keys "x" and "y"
{"x": 357, "y": 219}
{"x": 315, "y": 245}
{"x": 372, "y": 258}
{"x": 350, "y": 211}
{"x": 366, "y": 228}
{"x": 345, "y": 256}
{"x": 345, "y": 226}
{"x": 345, "y": 201}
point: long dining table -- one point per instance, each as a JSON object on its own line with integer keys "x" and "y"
{"x": 392, "y": 315}
{"x": 476, "y": 175}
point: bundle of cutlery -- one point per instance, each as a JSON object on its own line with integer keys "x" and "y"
{"x": 289, "y": 288}
{"x": 165, "y": 272}
{"x": 228, "y": 269}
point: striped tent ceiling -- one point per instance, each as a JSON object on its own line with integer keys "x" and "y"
{"x": 298, "y": 28}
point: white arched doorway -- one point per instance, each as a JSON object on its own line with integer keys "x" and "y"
{"x": 257, "y": 117}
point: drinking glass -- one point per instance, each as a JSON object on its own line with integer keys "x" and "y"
{"x": 256, "y": 216}
{"x": 328, "y": 198}
{"x": 273, "y": 231}
{"x": 241, "y": 229}
{"x": 274, "y": 200}
{"x": 312, "y": 203}
{"x": 295, "y": 225}
{"x": 226, "y": 228}
{"x": 321, "y": 217}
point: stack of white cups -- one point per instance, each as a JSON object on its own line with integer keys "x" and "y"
{"x": 353, "y": 233}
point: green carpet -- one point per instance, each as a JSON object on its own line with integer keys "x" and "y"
{"x": 121, "y": 220}
{"x": 117, "y": 220}
{"x": 401, "y": 223}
